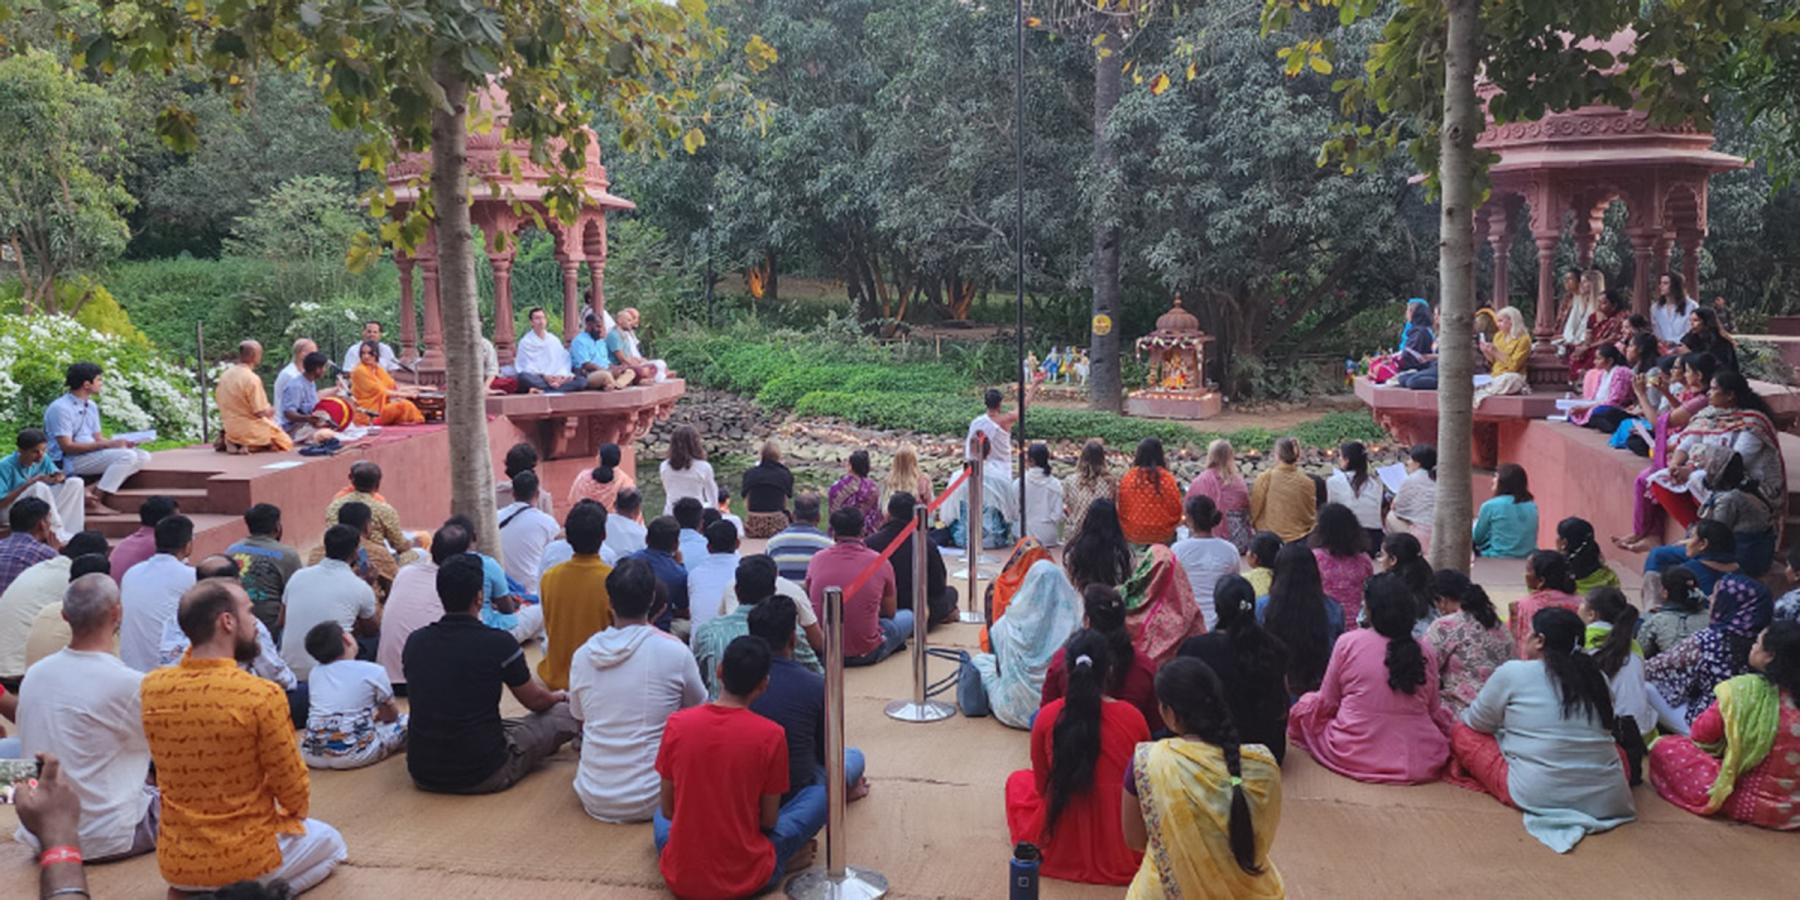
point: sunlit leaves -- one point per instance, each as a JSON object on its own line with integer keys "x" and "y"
{"x": 1159, "y": 84}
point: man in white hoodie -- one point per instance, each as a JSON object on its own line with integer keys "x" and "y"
{"x": 624, "y": 683}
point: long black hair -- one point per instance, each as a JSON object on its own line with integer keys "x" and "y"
{"x": 1739, "y": 388}
{"x": 1681, "y": 590}
{"x": 1552, "y": 570}
{"x": 1610, "y": 606}
{"x": 1338, "y": 533}
{"x": 1264, "y": 547}
{"x": 1574, "y": 674}
{"x": 1392, "y": 612}
{"x": 1190, "y": 689}
{"x": 1296, "y": 616}
{"x": 1782, "y": 642}
{"x": 1098, "y": 553}
{"x": 1579, "y": 544}
{"x": 1469, "y": 596}
{"x": 1105, "y": 611}
{"x": 1648, "y": 352}
{"x": 1414, "y": 571}
{"x": 1425, "y": 455}
{"x": 1075, "y": 741}
{"x": 1356, "y": 463}
{"x": 1202, "y": 514}
{"x": 610, "y": 457}
{"x": 1150, "y": 458}
{"x": 1260, "y": 657}
{"x": 1510, "y": 480}
{"x": 1039, "y": 455}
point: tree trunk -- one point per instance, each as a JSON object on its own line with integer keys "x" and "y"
{"x": 771, "y": 281}
{"x": 465, "y": 401}
{"x": 1105, "y": 380}
{"x": 1450, "y": 538}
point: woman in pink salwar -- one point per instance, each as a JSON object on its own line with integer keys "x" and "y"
{"x": 1229, "y": 493}
{"x": 1377, "y": 716}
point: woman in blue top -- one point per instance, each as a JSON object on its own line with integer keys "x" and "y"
{"x": 1507, "y": 525}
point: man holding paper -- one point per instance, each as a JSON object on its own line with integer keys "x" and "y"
{"x": 79, "y": 446}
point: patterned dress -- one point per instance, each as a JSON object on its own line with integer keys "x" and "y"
{"x": 1467, "y": 654}
{"x": 857, "y": 492}
{"x": 1149, "y": 506}
{"x": 1686, "y": 674}
{"x": 1768, "y": 795}
{"x": 1078, "y": 495}
{"x": 1343, "y": 578}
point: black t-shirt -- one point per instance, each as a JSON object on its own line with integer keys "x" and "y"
{"x": 935, "y": 574}
{"x": 454, "y": 669}
{"x": 795, "y": 700}
{"x": 766, "y": 487}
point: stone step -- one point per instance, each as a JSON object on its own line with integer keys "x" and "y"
{"x": 193, "y": 500}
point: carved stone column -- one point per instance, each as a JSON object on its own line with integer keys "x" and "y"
{"x": 597, "y": 294}
{"x": 1500, "y": 237}
{"x": 503, "y": 307}
{"x": 1690, "y": 263}
{"x": 432, "y": 353}
{"x": 571, "y": 275}
{"x": 1546, "y": 287}
{"x": 409, "y": 329}
{"x": 1643, "y": 257}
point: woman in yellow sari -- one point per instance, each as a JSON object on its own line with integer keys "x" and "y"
{"x": 1203, "y": 808}
{"x": 380, "y": 401}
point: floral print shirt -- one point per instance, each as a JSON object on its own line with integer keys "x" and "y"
{"x": 1467, "y": 654}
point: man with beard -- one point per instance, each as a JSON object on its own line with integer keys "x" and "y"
{"x": 234, "y": 789}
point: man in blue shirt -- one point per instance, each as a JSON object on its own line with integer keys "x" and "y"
{"x": 30, "y": 473}
{"x": 590, "y": 356}
{"x": 296, "y": 399}
{"x": 77, "y": 444}
{"x": 661, "y": 540}
{"x": 795, "y": 700}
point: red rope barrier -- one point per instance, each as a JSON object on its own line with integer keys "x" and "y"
{"x": 863, "y": 577}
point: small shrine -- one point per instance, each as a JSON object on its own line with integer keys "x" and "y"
{"x": 1176, "y": 387}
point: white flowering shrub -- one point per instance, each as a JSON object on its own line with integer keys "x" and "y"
{"x": 143, "y": 390}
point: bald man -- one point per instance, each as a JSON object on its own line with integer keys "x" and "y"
{"x": 297, "y": 367}
{"x": 244, "y": 410}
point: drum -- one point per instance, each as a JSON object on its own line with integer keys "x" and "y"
{"x": 431, "y": 403}
{"x": 337, "y": 409}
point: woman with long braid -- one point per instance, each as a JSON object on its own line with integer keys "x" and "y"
{"x": 1539, "y": 737}
{"x": 1203, "y": 808}
{"x": 1081, "y": 745}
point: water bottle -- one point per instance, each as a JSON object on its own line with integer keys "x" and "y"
{"x": 1025, "y": 861}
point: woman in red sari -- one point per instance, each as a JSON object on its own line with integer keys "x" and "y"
{"x": 1606, "y": 325}
{"x": 1068, "y": 801}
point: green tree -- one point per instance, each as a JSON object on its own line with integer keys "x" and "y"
{"x": 62, "y": 200}
{"x": 403, "y": 75}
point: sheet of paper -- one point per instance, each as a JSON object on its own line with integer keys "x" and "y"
{"x": 1391, "y": 476}
{"x": 285, "y": 464}
{"x": 1483, "y": 380}
{"x": 137, "y": 437}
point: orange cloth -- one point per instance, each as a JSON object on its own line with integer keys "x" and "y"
{"x": 1026, "y": 553}
{"x": 370, "y": 385}
{"x": 1149, "y": 506}
{"x": 229, "y": 770}
{"x": 241, "y": 406}
{"x": 584, "y": 487}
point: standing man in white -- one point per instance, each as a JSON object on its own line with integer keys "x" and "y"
{"x": 77, "y": 443}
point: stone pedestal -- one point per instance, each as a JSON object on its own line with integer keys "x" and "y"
{"x": 1155, "y": 404}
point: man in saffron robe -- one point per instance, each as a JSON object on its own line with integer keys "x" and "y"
{"x": 245, "y": 411}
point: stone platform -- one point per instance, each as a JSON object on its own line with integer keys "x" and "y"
{"x": 1173, "y": 404}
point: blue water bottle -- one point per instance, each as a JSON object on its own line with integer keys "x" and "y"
{"x": 1025, "y": 861}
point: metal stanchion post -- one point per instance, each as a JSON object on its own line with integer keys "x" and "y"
{"x": 973, "y": 614}
{"x": 919, "y": 709}
{"x": 838, "y": 881}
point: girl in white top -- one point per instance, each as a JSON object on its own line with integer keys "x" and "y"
{"x": 1043, "y": 498}
{"x": 1611, "y": 622}
{"x": 1353, "y": 486}
{"x": 1669, "y": 311}
{"x": 1205, "y": 559}
{"x": 686, "y": 473}
{"x": 352, "y": 720}
{"x": 1415, "y": 503}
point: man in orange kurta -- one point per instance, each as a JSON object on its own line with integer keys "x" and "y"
{"x": 245, "y": 411}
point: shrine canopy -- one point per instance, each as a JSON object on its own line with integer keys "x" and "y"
{"x": 494, "y": 195}
{"x": 1574, "y": 165}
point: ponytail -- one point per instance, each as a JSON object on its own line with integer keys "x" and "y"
{"x": 1392, "y": 611}
{"x": 1583, "y": 550}
{"x": 1190, "y": 689}
{"x": 1574, "y": 674}
{"x": 1105, "y": 611}
{"x": 1475, "y": 602}
{"x": 1075, "y": 741}
{"x": 609, "y": 461}
{"x": 1552, "y": 570}
{"x": 1610, "y": 606}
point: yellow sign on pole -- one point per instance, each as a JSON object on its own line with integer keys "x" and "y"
{"x": 1103, "y": 324}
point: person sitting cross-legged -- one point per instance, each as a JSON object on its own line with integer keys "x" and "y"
{"x": 413, "y": 603}
{"x": 247, "y": 416}
{"x": 542, "y": 361}
{"x": 940, "y": 595}
{"x": 711, "y": 576}
{"x": 378, "y": 398}
{"x": 874, "y": 626}
{"x": 235, "y": 792}
{"x": 35, "y": 590}
{"x": 28, "y": 472}
{"x": 77, "y": 443}
{"x": 297, "y": 403}
{"x": 140, "y": 545}
{"x": 625, "y": 529}
{"x": 151, "y": 593}
{"x": 267, "y": 664}
{"x": 389, "y": 546}
{"x": 82, "y": 706}
{"x": 793, "y": 547}
{"x": 577, "y": 600}
{"x": 795, "y": 700}
{"x": 720, "y": 828}
{"x": 754, "y": 581}
{"x": 353, "y": 721}
{"x": 329, "y": 592}
{"x": 525, "y": 531}
{"x": 624, "y": 684}
{"x": 31, "y": 541}
{"x": 662, "y": 541}
{"x": 454, "y": 670}
{"x": 265, "y": 562}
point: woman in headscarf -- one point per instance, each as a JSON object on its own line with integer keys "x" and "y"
{"x": 1735, "y": 420}
{"x": 1682, "y": 678}
{"x": 1040, "y": 618}
{"x": 1005, "y": 586}
{"x": 1160, "y": 610}
{"x": 1742, "y": 757}
{"x": 377, "y": 396}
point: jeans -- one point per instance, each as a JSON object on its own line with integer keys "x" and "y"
{"x": 1420, "y": 379}
{"x": 894, "y": 633}
{"x": 1755, "y": 551}
{"x": 530, "y": 380}
{"x": 802, "y": 816}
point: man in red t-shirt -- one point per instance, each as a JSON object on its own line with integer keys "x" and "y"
{"x": 720, "y": 830}
{"x": 873, "y": 627}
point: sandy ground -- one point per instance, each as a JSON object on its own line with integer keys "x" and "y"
{"x": 935, "y": 826}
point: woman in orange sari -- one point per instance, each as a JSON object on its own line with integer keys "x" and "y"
{"x": 1000, "y": 592}
{"x": 380, "y": 401}
{"x": 1149, "y": 497}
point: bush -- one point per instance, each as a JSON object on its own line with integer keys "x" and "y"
{"x": 143, "y": 390}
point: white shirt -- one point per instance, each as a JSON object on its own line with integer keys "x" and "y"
{"x": 999, "y": 446}
{"x": 522, "y": 542}
{"x": 347, "y": 686}
{"x": 37, "y": 587}
{"x": 150, "y": 594}
{"x": 709, "y": 578}
{"x": 561, "y": 551}
{"x": 624, "y": 683}
{"x": 694, "y": 481}
{"x": 543, "y": 355}
{"x": 804, "y": 616}
{"x": 1670, "y": 323}
{"x": 1206, "y": 560}
{"x": 692, "y": 545}
{"x": 84, "y": 707}
{"x": 1043, "y": 506}
{"x": 353, "y": 358}
{"x": 624, "y": 535}
{"x": 327, "y": 592}
{"x": 1366, "y": 503}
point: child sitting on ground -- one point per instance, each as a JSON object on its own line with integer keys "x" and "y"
{"x": 1263, "y": 547}
{"x": 725, "y": 512}
{"x": 1680, "y": 611}
{"x": 353, "y": 721}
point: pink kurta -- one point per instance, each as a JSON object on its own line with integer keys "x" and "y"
{"x": 1231, "y": 496}
{"x": 1519, "y": 613}
{"x": 1359, "y": 727}
{"x": 1343, "y": 578}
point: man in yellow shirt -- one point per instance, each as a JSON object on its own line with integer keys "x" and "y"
{"x": 235, "y": 791}
{"x": 245, "y": 410}
{"x": 576, "y": 605}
